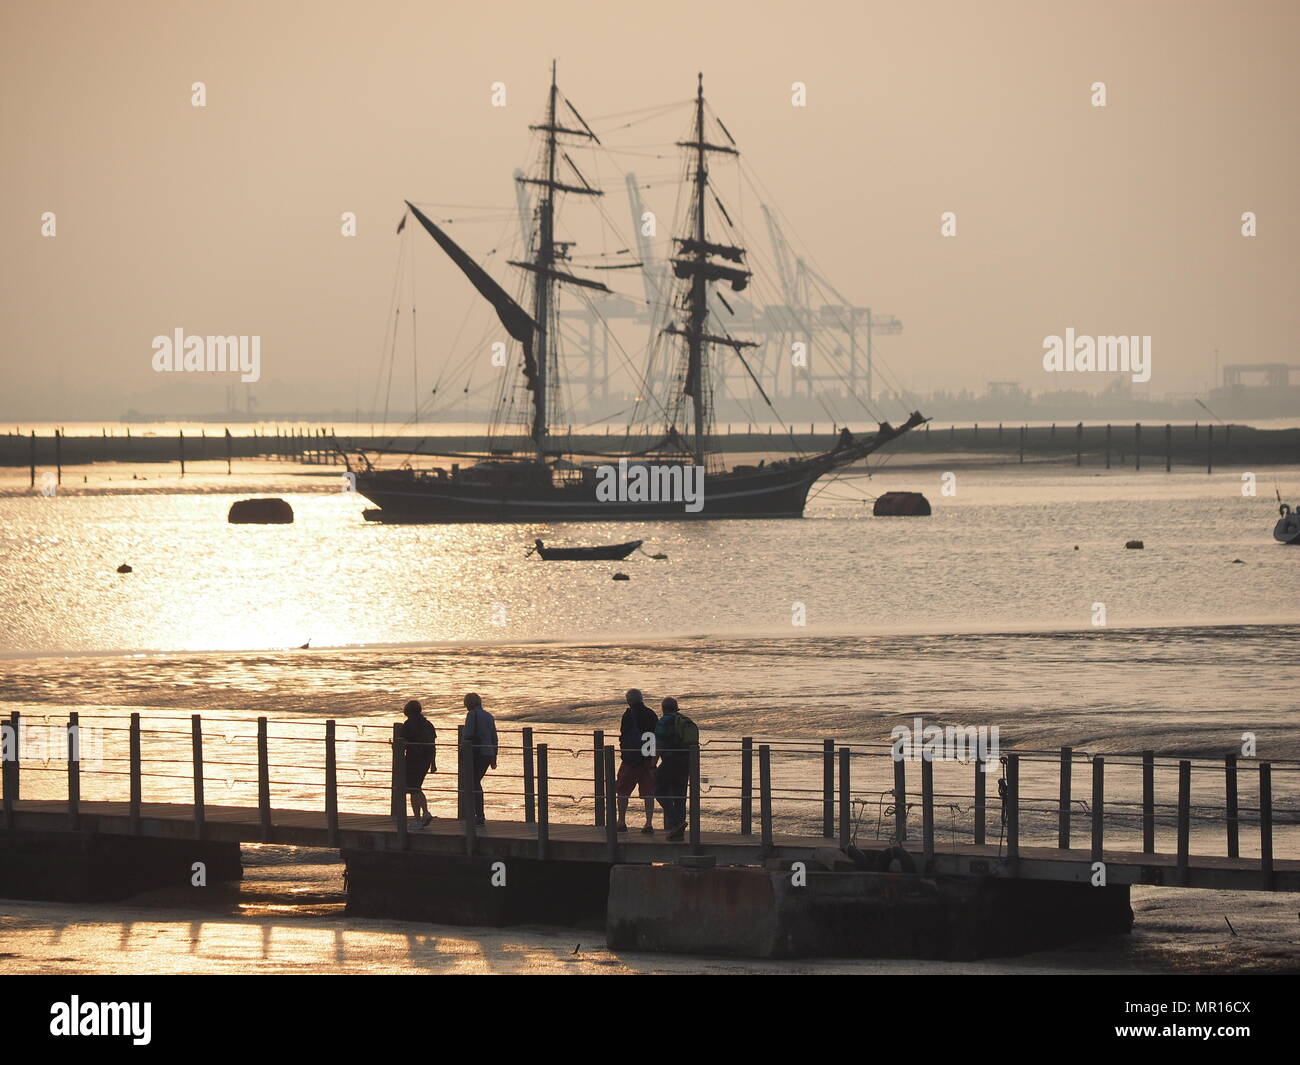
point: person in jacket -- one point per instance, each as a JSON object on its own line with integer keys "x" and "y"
{"x": 420, "y": 757}
{"x": 480, "y": 733}
{"x": 637, "y": 768}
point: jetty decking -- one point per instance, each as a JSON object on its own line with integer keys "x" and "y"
{"x": 730, "y": 823}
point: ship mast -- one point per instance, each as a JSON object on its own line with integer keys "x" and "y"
{"x": 693, "y": 261}
{"x": 543, "y": 263}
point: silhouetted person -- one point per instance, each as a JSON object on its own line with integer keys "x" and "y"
{"x": 675, "y": 735}
{"x": 637, "y": 769}
{"x": 481, "y": 734}
{"x": 421, "y": 756}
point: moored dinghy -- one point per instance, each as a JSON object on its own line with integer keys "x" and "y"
{"x": 578, "y": 554}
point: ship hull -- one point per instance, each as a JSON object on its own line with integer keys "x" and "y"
{"x": 406, "y": 497}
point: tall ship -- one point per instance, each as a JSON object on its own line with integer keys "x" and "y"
{"x": 528, "y": 469}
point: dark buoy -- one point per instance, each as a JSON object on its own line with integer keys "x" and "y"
{"x": 1135, "y": 545}
{"x": 260, "y": 512}
{"x": 901, "y": 505}
{"x": 124, "y": 568}
{"x": 659, "y": 557}
{"x": 621, "y": 577}
{"x": 1238, "y": 562}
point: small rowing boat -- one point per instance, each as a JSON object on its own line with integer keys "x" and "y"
{"x": 577, "y": 554}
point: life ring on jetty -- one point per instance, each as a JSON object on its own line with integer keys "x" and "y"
{"x": 1283, "y": 510}
{"x": 886, "y": 859}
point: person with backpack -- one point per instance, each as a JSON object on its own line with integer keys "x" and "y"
{"x": 637, "y": 769}
{"x": 675, "y": 735}
{"x": 480, "y": 733}
{"x": 421, "y": 756}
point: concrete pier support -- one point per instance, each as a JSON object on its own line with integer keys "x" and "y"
{"x": 759, "y": 913}
{"x": 83, "y": 867}
{"x": 453, "y": 889}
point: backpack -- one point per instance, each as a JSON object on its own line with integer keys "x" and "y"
{"x": 687, "y": 732}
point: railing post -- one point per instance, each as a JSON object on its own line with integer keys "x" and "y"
{"x": 609, "y": 801}
{"x": 543, "y": 804}
{"x": 900, "y": 800}
{"x": 1012, "y": 807}
{"x": 461, "y": 773}
{"x": 135, "y": 774}
{"x": 694, "y": 829}
{"x": 399, "y": 786}
{"x": 1266, "y": 824}
{"x": 8, "y": 759}
{"x": 15, "y": 769}
{"x": 263, "y": 780}
{"x": 1098, "y": 805}
{"x": 981, "y": 775}
{"x": 1063, "y": 815}
{"x": 1148, "y": 802}
{"x": 846, "y": 796}
{"x": 74, "y": 772}
{"x": 530, "y": 800}
{"x": 331, "y": 784}
{"x": 196, "y": 747}
{"x": 1231, "y": 814}
{"x": 828, "y": 789}
{"x": 927, "y": 812}
{"x": 598, "y": 775}
{"x": 765, "y": 796}
{"x": 1184, "y": 818}
{"x": 466, "y": 759}
{"x": 747, "y": 786}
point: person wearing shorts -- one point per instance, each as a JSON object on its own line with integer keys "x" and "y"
{"x": 636, "y": 769}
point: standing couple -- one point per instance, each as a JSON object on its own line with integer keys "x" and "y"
{"x": 656, "y": 759}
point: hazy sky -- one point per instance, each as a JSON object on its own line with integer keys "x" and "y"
{"x": 225, "y": 219}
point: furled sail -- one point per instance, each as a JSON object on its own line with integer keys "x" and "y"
{"x": 518, "y": 322}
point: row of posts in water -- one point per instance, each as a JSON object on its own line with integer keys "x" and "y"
{"x": 322, "y": 447}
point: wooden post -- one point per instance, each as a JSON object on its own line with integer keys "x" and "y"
{"x": 694, "y": 830}
{"x": 471, "y": 803}
{"x": 1209, "y": 448}
{"x": 32, "y": 457}
{"x": 1063, "y": 812}
{"x": 331, "y": 784}
{"x": 1023, "y": 429}
{"x": 135, "y": 775}
{"x": 9, "y": 766}
{"x": 461, "y": 773}
{"x": 900, "y": 801}
{"x": 1078, "y": 444}
{"x": 1184, "y": 818}
{"x": 1169, "y": 447}
{"x": 765, "y": 796}
{"x": 1012, "y": 810}
{"x": 228, "y": 446}
{"x": 543, "y": 804}
{"x": 747, "y": 786}
{"x": 927, "y": 812}
{"x": 15, "y": 767}
{"x": 1098, "y": 805}
{"x": 1107, "y": 447}
{"x": 1137, "y": 445}
{"x": 609, "y": 802}
{"x": 1266, "y": 824}
{"x": 846, "y": 797}
{"x": 530, "y": 801}
{"x": 399, "y": 786}
{"x": 980, "y": 775}
{"x": 828, "y": 789}
{"x": 58, "y": 455}
{"x": 1230, "y": 789}
{"x": 598, "y": 775}
{"x": 180, "y": 445}
{"x": 196, "y": 746}
{"x": 74, "y": 772}
{"x": 1148, "y": 802}
{"x": 263, "y": 780}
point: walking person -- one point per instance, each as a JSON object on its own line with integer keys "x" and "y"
{"x": 637, "y": 769}
{"x": 421, "y": 757}
{"x": 481, "y": 734}
{"x": 675, "y": 735}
